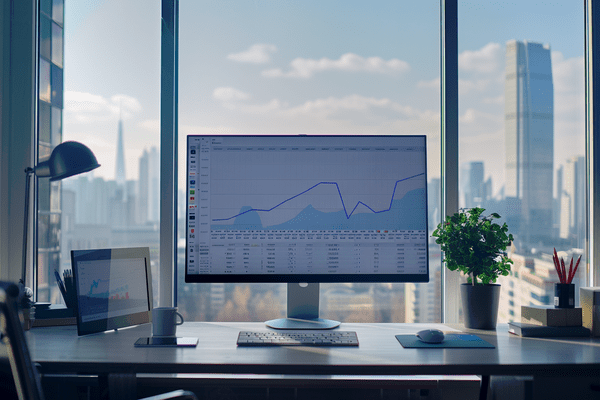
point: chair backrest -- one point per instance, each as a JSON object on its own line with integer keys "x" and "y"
{"x": 26, "y": 377}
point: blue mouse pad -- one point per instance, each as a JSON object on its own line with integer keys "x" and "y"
{"x": 452, "y": 340}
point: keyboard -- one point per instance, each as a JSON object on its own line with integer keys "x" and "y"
{"x": 297, "y": 338}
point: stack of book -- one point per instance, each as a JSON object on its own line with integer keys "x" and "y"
{"x": 548, "y": 321}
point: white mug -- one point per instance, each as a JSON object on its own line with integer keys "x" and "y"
{"x": 164, "y": 321}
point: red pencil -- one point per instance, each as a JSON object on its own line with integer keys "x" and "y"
{"x": 575, "y": 270}
{"x": 557, "y": 265}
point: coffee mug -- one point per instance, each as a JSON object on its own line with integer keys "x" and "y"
{"x": 164, "y": 321}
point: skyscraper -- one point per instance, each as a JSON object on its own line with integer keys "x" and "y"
{"x": 572, "y": 202}
{"x": 148, "y": 186}
{"x": 120, "y": 168}
{"x": 529, "y": 134}
{"x": 472, "y": 184}
{"x": 50, "y": 132}
{"x": 143, "y": 189}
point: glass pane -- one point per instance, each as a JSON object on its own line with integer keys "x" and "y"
{"x": 48, "y": 256}
{"x": 45, "y": 38}
{"x": 43, "y": 201}
{"x": 44, "y": 122}
{"x": 56, "y": 126}
{"x": 44, "y": 80}
{"x": 318, "y": 68}
{"x": 57, "y": 45}
{"x": 58, "y": 11}
{"x": 57, "y": 86}
{"x": 522, "y": 135}
{"x": 111, "y": 104}
{"x": 46, "y": 7}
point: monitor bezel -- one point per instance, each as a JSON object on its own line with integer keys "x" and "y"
{"x": 294, "y": 278}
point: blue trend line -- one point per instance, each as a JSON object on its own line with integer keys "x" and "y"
{"x": 341, "y": 199}
{"x": 95, "y": 284}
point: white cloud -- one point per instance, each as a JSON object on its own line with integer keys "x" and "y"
{"x": 257, "y": 54}
{"x": 88, "y": 107}
{"x": 569, "y": 102}
{"x": 480, "y": 119}
{"x": 485, "y": 60}
{"x": 345, "y": 111}
{"x": 568, "y": 74}
{"x": 228, "y": 94}
{"x": 354, "y": 103}
{"x": 306, "y": 68}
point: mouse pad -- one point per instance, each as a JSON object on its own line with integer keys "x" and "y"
{"x": 451, "y": 340}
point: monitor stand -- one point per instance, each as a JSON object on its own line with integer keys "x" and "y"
{"x": 302, "y": 309}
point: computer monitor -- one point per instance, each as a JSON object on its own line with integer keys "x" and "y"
{"x": 305, "y": 209}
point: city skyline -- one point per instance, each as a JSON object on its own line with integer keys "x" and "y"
{"x": 260, "y": 68}
{"x": 259, "y": 82}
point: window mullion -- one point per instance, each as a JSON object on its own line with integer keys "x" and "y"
{"x": 168, "y": 152}
{"x": 449, "y": 145}
{"x": 592, "y": 82}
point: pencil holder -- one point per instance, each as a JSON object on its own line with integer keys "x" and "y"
{"x": 564, "y": 295}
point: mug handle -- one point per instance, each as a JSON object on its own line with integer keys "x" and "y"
{"x": 180, "y": 316}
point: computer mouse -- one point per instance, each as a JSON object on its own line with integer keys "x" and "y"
{"x": 431, "y": 336}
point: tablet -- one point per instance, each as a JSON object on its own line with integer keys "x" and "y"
{"x": 114, "y": 288}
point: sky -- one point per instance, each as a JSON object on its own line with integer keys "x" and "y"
{"x": 344, "y": 67}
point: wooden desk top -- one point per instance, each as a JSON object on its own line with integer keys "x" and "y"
{"x": 60, "y": 350}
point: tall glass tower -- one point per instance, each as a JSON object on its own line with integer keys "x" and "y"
{"x": 50, "y": 133}
{"x": 120, "y": 168}
{"x": 529, "y": 131}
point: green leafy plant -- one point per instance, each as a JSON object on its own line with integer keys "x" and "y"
{"x": 475, "y": 245}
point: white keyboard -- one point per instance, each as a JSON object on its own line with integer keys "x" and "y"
{"x": 297, "y": 338}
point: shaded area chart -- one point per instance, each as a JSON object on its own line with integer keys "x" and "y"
{"x": 403, "y": 214}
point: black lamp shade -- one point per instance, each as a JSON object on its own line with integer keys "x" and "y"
{"x": 67, "y": 159}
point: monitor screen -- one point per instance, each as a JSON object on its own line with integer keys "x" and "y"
{"x": 303, "y": 208}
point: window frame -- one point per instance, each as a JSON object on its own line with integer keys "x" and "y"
{"x": 592, "y": 128}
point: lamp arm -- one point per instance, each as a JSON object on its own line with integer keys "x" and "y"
{"x": 28, "y": 172}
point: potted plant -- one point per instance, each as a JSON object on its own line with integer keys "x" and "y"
{"x": 476, "y": 246}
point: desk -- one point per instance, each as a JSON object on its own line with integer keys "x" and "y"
{"x": 60, "y": 350}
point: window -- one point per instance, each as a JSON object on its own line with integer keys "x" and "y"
{"x": 522, "y": 130}
{"x": 99, "y": 85}
{"x": 81, "y": 112}
{"x": 312, "y": 67}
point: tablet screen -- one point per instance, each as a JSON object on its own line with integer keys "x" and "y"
{"x": 113, "y": 288}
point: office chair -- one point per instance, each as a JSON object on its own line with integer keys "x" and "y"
{"x": 26, "y": 377}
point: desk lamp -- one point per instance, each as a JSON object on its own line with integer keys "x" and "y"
{"x": 67, "y": 159}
